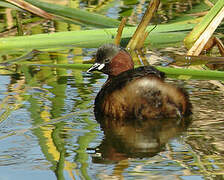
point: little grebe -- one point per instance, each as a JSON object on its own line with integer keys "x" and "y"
{"x": 139, "y": 93}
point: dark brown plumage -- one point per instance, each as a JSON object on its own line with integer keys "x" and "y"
{"x": 139, "y": 93}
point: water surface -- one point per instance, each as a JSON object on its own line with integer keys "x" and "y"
{"x": 48, "y": 130}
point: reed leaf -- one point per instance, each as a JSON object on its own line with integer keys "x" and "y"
{"x": 192, "y": 73}
{"x": 93, "y": 38}
{"x": 85, "y": 17}
{"x": 29, "y": 7}
{"x": 8, "y": 5}
{"x": 200, "y": 27}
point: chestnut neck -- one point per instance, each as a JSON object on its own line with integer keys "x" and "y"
{"x": 120, "y": 63}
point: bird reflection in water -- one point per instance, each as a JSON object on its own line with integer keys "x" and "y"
{"x": 136, "y": 139}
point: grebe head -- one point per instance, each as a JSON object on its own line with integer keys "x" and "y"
{"x": 112, "y": 60}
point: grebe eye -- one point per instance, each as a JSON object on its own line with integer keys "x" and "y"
{"x": 107, "y": 60}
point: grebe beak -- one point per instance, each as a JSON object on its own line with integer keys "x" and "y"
{"x": 96, "y": 67}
